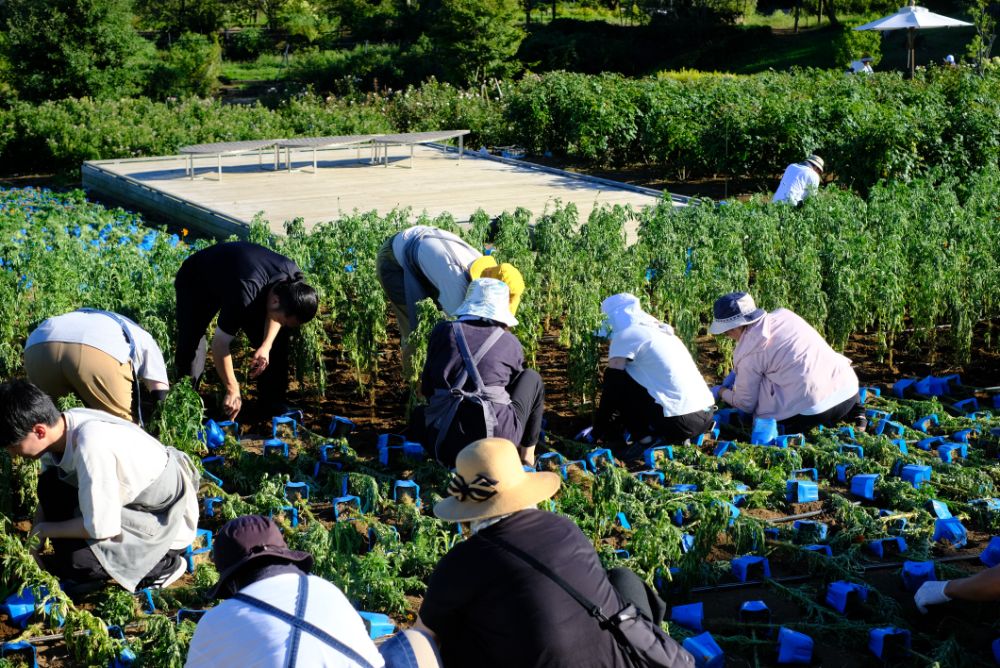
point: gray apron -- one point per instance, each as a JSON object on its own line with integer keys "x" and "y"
{"x": 444, "y": 403}
{"x": 415, "y": 283}
{"x": 150, "y": 522}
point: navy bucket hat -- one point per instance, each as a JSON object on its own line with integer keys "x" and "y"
{"x": 732, "y": 310}
{"x": 249, "y": 538}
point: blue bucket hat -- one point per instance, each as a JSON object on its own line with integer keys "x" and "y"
{"x": 732, "y": 310}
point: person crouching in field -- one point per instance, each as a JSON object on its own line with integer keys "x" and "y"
{"x": 475, "y": 381}
{"x": 783, "y": 369}
{"x": 114, "y": 502}
{"x": 652, "y": 388}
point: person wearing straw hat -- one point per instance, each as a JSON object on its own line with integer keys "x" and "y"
{"x": 475, "y": 381}
{"x": 275, "y": 613}
{"x": 651, "y": 388}
{"x": 783, "y": 369}
{"x": 800, "y": 180}
{"x": 423, "y": 261}
{"x": 490, "y": 601}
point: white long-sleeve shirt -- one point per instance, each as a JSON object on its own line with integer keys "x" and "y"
{"x": 798, "y": 182}
{"x": 238, "y": 635}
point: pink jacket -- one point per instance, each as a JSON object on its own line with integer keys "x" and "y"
{"x": 784, "y": 367}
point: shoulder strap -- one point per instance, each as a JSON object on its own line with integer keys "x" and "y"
{"x": 472, "y": 361}
{"x": 592, "y": 608}
{"x": 302, "y": 625}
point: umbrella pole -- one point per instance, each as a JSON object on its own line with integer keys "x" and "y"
{"x": 912, "y": 52}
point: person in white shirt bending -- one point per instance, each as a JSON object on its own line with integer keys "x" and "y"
{"x": 98, "y": 355}
{"x": 800, "y": 180}
{"x": 652, "y": 387}
{"x": 275, "y": 614}
{"x": 115, "y": 502}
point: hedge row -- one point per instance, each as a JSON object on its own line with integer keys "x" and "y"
{"x": 867, "y": 128}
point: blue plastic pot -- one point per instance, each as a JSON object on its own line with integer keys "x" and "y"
{"x": 549, "y": 460}
{"x": 764, "y": 431}
{"x": 21, "y": 607}
{"x": 890, "y": 428}
{"x": 684, "y": 488}
{"x": 925, "y": 423}
{"x": 963, "y": 435}
{"x": 706, "y": 652}
{"x": 939, "y": 509}
{"x": 654, "y": 454}
{"x": 883, "y": 546}
{"x": 22, "y": 648}
{"x": 755, "y": 612}
{"x": 276, "y": 444}
{"x": 687, "y": 543}
{"x": 788, "y": 440}
{"x": 996, "y": 643}
{"x": 916, "y": 474}
{"x": 842, "y": 471}
{"x": 623, "y": 521}
{"x": 864, "y": 392}
{"x": 950, "y": 530}
{"x": 851, "y": 449}
{"x": 722, "y": 447}
{"x": 378, "y": 625}
{"x": 801, "y": 491}
{"x": 889, "y": 643}
{"x": 967, "y": 405}
{"x": 349, "y": 500}
{"x": 991, "y": 554}
{"x": 340, "y": 427}
{"x": 901, "y": 444}
{"x": 794, "y": 647}
{"x": 214, "y": 436}
{"x": 842, "y": 595}
{"x": 278, "y": 420}
{"x": 931, "y": 442}
{"x": 915, "y": 573}
{"x": 810, "y": 530}
{"x": 600, "y": 458}
{"x": 231, "y": 428}
{"x": 691, "y": 616}
{"x": 300, "y": 488}
{"x": 406, "y": 488}
{"x": 743, "y": 565}
{"x": 209, "y": 505}
{"x": 388, "y": 443}
{"x": 949, "y": 451}
{"x": 824, "y": 550}
{"x": 740, "y": 498}
{"x": 864, "y": 485}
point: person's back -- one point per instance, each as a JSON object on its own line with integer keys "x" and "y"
{"x": 488, "y": 608}
{"x": 235, "y": 272}
{"x": 797, "y": 183}
{"x": 236, "y": 634}
{"x": 664, "y": 366}
{"x": 799, "y": 367}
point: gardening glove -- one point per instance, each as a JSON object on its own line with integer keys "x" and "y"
{"x": 715, "y": 392}
{"x": 931, "y": 593}
{"x": 729, "y": 380}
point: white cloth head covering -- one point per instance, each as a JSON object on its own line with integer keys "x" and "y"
{"x": 624, "y": 310}
{"x": 488, "y": 298}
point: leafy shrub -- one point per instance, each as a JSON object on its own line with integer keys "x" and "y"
{"x": 190, "y": 67}
{"x": 248, "y": 44}
{"x": 852, "y": 44}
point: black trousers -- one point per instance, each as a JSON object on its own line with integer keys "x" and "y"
{"x": 527, "y": 396}
{"x": 627, "y": 406}
{"x": 72, "y": 559}
{"x": 850, "y": 409}
{"x": 195, "y": 311}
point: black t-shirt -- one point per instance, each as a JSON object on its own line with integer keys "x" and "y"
{"x": 237, "y": 275}
{"x": 489, "y": 608}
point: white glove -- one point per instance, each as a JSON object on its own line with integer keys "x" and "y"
{"x": 931, "y": 593}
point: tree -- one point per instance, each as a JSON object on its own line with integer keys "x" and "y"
{"x": 71, "y": 48}
{"x": 179, "y": 16}
{"x": 477, "y": 39}
{"x": 984, "y": 16}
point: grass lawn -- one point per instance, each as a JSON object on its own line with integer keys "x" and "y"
{"x": 268, "y": 67}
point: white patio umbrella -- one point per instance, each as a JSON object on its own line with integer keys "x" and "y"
{"x": 911, "y": 19}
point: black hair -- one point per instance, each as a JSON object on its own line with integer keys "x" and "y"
{"x": 22, "y": 406}
{"x": 297, "y": 300}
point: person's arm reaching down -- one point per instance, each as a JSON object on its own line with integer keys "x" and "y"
{"x": 221, "y": 342}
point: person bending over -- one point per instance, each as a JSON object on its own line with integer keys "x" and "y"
{"x": 488, "y": 582}
{"x": 652, "y": 387}
{"x": 475, "y": 381}
{"x": 115, "y": 502}
{"x": 253, "y": 289}
{"x": 423, "y": 261}
{"x": 98, "y": 355}
{"x": 783, "y": 369}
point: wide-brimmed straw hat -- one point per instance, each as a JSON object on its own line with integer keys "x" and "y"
{"x": 815, "y": 161}
{"x": 490, "y": 481}
{"x": 488, "y": 298}
{"x": 734, "y": 310}
{"x": 250, "y": 538}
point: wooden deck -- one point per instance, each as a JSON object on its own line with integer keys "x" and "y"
{"x": 344, "y": 182}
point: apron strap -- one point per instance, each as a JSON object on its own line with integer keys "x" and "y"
{"x": 299, "y": 624}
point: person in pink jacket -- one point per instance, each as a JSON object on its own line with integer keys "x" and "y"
{"x": 783, "y": 369}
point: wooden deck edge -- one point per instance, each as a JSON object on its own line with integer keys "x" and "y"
{"x": 182, "y": 212}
